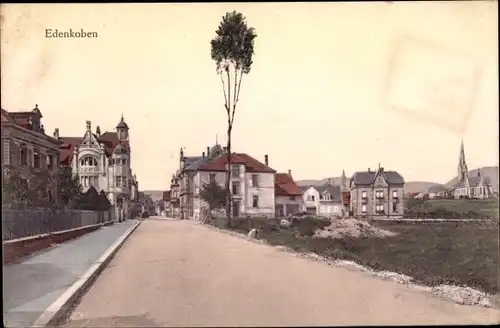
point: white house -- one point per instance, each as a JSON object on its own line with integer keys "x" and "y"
{"x": 325, "y": 200}
{"x": 103, "y": 161}
{"x": 252, "y": 183}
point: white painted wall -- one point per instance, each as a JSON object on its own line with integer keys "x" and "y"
{"x": 264, "y": 190}
{"x": 308, "y": 201}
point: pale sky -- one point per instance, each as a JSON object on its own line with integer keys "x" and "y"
{"x": 319, "y": 98}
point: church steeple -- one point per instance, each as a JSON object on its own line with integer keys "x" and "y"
{"x": 343, "y": 182}
{"x": 462, "y": 165}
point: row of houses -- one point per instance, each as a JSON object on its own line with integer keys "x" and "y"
{"x": 259, "y": 190}
{"x": 101, "y": 160}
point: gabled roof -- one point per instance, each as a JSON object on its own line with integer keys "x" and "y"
{"x": 67, "y": 148}
{"x": 251, "y": 164}
{"x": 368, "y": 178}
{"x": 108, "y": 139}
{"x": 285, "y": 186}
{"x": 474, "y": 182}
{"x": 304, "y": 188}
{"x": 333, "y": 190}
{"x": 196, "y": 164}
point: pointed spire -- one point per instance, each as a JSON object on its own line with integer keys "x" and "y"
{"x": 462, "y": 165}
{"x": 343, "y": 180}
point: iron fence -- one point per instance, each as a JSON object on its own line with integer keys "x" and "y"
{"x": 27, "y": 223}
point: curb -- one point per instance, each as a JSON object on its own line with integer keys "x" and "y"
{"x": 57, "y": 310}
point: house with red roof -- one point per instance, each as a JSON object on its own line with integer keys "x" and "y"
{"x": 252, "y": 182}
{"x": 27, "y": 149}
{"x": 288, "y": 196}
{"x": 103, "y": 161}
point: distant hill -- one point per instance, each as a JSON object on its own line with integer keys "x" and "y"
{"x": 154, "y": 194}
{"x": 421, "y": 186}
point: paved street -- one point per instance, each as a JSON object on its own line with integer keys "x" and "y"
{"x": 178, "y": 273}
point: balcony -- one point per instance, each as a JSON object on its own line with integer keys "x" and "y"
{"x": 90, "y": 169}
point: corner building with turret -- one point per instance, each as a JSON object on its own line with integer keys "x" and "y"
{"x": 104, "y": 162}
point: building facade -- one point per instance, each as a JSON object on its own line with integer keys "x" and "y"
{"x": 287, "y": 195}
{"x": 26, "y": 148}
{"x": 377, "y": 194}
{"x": 251, "y": 183}
{"x": 104, "y": 162}
{"x": 477, "y": 186}
{"x": 325, "y": 200}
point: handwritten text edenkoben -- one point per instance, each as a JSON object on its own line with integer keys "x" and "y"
{"x": 55, "y": 33}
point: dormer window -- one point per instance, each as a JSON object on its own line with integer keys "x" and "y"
{"x": 364, "y": 195}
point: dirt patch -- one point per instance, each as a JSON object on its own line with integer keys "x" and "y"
{"x": 353, "y": 228}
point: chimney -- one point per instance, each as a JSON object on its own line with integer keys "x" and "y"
{"x": 89, "y": 126}
{"x": 266, "y": 160}
{"x": 203, "y": 154}
{"x": 98, "y": 131}
{"x": 225, "y": 149}
{"x": 56, "y": 133}
{"x": 330, "y": 181}
{"x": 478, "y": 172}
{"x": 290, "y": 172}
{"x": 369, "y": 170}
{"x": 208, "y": 151}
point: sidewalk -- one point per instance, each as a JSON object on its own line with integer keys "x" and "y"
{"x": 31, "y": 286}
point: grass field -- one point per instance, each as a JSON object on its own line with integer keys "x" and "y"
{"x": 433, "y": 254}
{"x": 488, "y": 207}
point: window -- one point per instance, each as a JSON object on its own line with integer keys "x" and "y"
{"x": 49, "y": 196}
{"x": 124, "y": 161}
{"x": 326, "y": 196}
{"x": 23, "y": 153}
{"x": 255, "y": 180}
{"x": 379, "y": 194}
{"x": 379, "y": 208}
{"x": 394, "y": 207}
{"x": 235, "y": 188}
{"x": 363, "y": 208}
{"x": 235, "y": 171}
{"x": 394, "y": 194}
{"x": 211, "y": 177}
{"x": 255, "y": 201}
{"x": 292, "y": 197}
{"x": 88, "y": 161}
{"x": 50, "y": 161}
{"x": 36, "y": 159}
{"x": 363, "y": 195}
{"x": 118, "y": 181}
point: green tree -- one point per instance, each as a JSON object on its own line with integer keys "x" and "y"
{"x": 232, "y": 50}
{"x": 214, "y": 195}
{"x": 15, "y": 190}
{"x": 69, "y": 187}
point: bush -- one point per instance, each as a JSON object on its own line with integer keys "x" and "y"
{"x": 306, "y": 226}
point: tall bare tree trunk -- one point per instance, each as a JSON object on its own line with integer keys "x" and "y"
{"x": 228, "y": 178}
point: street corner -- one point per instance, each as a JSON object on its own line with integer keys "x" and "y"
{"x": 431, "y": 83}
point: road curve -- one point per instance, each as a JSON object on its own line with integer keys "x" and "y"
{"x": 178, "y": 273}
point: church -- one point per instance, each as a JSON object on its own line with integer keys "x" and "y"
{"x": 475, "y": 186}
